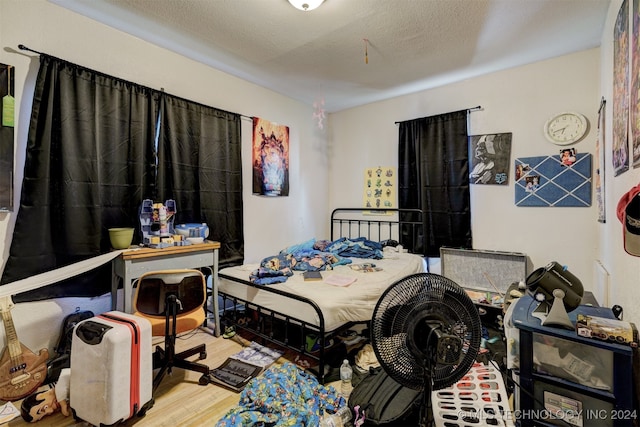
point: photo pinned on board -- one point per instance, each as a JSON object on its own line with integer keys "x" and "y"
{"x": 532, "y": 183}
{"x": 567, "y": 156}
{"x": 521, "y": 170}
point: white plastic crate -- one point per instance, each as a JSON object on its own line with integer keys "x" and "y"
{"x": 479, "y": 399}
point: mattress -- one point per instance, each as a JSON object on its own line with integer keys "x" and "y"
{"x": 339, "y": 304}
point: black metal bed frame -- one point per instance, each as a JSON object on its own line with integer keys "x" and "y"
{"x": 375, "y": 225}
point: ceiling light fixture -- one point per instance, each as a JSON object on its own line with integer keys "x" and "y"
{"x": 306, "y": 5}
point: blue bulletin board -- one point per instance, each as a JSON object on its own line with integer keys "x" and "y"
{"x": 546, "y": 181}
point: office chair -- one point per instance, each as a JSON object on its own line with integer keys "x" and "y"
{"x": 173, "y": 301}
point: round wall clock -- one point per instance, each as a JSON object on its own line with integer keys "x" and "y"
{"x": 566, "y": 128}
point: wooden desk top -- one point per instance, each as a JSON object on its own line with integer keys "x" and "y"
{"x": 143, "y": 252}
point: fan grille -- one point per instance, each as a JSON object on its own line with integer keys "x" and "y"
{"x": 398, "y": 338}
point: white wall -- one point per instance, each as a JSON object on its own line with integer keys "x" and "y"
{"x": 624, "y": 269}
{"x": 270, "y": 223}
{"x": 517, "y": 100}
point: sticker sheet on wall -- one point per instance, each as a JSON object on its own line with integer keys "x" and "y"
{"x": 380, "y": 187}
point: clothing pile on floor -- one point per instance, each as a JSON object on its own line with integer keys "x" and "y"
{"x": 283, "y": 396}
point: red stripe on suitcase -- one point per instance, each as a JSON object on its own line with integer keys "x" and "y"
{"x": 134, "y": 389}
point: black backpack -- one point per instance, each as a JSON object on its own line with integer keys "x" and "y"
{"x": 383, "y": 399}
{"x": 63, "y": 348}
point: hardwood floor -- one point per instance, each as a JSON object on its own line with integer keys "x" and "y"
{"x": 179, "y": 400}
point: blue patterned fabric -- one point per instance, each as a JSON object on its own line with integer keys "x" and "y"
{"x": 356, "y": 248}
{"x": 283, "y": 396}
{"x": 273, "y": 269}
{"x": 307, "y": 257}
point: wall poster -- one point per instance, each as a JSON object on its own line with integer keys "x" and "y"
{"x": 7, "y": 86}
{"x": 634, "y": 102}
{"x": 380, "y": 187}
{"x": 600, "y": 165}
{"x": 620, "y": 145}
{"x": 270, "y": 158}
{"x": 490, "y": 158}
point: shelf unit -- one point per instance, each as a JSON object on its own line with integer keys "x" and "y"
{"x": 592, "y": 377}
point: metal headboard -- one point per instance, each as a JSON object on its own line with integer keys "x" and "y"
{"x": 376, "y": 224}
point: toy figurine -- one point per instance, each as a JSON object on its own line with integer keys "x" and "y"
{"x": 49, "y": 400}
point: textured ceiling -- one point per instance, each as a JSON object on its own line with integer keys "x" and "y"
{"x": 320, "y": 55}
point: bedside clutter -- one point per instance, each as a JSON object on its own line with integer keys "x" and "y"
{"x": 581, "y": 379}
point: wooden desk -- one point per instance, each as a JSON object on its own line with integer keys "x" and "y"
{"x": 133, "y": 263}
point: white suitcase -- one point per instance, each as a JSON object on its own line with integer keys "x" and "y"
{"x": 111, "y": 368}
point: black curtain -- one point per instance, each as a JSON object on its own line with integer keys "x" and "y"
{"x": 433, "y": 176}
{"x": 91, "y": 159}
{"x": 86, "y": 165}
{"x": 200, "y": 149}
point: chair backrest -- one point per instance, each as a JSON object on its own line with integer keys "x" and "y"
{"x": 153, "y": 288}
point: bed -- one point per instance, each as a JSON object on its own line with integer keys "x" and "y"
{"x": 304, "y": 315}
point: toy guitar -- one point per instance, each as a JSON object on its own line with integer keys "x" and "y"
{"x": 21, "y": 370}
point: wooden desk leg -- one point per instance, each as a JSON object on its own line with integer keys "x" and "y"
{"x": 127, "y": 287}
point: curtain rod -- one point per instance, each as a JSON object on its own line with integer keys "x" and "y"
{"x": 23, "y": 47}
{"x": 468, "y": 110}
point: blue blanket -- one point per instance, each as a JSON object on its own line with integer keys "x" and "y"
{"x": 283, "y": 396}
{"x": 313, "y": 255}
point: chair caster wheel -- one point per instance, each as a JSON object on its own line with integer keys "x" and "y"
{"x": 203, "y": 355}
{"x": 204, "y": 380}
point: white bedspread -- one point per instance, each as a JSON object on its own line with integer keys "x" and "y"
{"x": 339, "y": 305}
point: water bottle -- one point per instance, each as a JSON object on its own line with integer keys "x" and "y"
{"x": 342, "y": 416}
{"x": 339, "y": 419}
{"x": 345, "y": 378}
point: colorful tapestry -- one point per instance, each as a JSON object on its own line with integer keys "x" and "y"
{"x": 547, "y": 181}
{"x": 270, "y": 158}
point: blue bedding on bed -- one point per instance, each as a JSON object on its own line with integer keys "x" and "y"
{"x": 313, "y": 255}
{"x": 283, "y": 396}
